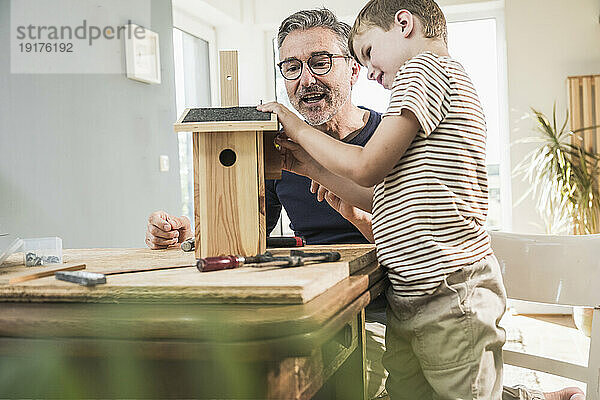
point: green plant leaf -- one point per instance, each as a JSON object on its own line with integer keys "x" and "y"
{"x": 562, "y": 177}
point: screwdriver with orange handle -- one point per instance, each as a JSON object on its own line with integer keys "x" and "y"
{"x": 296, "y": 258}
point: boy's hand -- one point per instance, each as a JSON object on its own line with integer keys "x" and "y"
{"x": 290, "y": 121}
{"x": 164, "y": 230}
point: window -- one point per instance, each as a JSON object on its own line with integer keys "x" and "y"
{"x": 192, "y": 89}
{"x": 370, "y": 93}
{"x": 482, "y": 67}
{"x": 282, "y": 228}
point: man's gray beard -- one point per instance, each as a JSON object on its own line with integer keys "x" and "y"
{"x": 325, "y": 115}
{"x": 322, "y": 118}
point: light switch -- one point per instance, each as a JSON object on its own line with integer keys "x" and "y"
{"x": 164, "y": 163}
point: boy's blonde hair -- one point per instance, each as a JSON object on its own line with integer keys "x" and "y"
{"x": 380, "y": 13}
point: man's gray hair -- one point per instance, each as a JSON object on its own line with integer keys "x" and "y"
{"x": 317, "y": 18}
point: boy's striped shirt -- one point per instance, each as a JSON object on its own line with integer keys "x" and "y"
{"x": 430, "y": 210}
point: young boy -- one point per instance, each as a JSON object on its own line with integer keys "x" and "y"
{"x": 426, "y": 161}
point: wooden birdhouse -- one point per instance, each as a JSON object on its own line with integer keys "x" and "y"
{"x": 233, "y": 154}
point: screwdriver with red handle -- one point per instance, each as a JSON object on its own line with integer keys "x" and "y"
{"x": 296, "y": 258}
{"x": 272, "y": 241}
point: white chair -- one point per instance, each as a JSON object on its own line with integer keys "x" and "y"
{"x": 558, "y": 270}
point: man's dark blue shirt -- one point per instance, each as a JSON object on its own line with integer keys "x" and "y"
{"x": 317, "y": 222}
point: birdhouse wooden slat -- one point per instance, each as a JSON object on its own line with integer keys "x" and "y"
{"x": 229, "y": 172}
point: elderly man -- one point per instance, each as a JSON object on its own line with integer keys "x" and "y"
{"x": 319, "y": 75}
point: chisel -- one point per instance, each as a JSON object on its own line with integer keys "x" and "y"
{"x": 83, "y": 278}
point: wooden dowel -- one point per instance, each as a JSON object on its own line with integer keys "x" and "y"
{"x": 229, "y": 78}
{"x": 44, "y": 274}
{"x": 130, "y": 271}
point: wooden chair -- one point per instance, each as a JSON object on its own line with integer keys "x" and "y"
{"x": 558, "y": 270}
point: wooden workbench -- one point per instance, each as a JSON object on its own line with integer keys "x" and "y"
{"x": 180, "y": 333}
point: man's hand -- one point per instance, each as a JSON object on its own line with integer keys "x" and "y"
{"x": 165, "y": 230}
{"x": 346, "y": 210}
{"x": 359, "y": 218}
{"x": 295, "y": 158}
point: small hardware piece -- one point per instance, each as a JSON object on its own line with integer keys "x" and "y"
{"x": 42, "y": 251}
{"x": 83, "y": 278}
{"x": 32, "y": 259}
{"x": 188, "y": 244}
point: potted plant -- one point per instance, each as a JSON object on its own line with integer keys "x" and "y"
{"x": 563, "y": 180}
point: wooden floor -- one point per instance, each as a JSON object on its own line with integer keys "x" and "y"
{"x": 565, "y": 320}
{"x": 549, "y": 335}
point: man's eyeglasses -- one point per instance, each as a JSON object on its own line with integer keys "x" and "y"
{"x": 318, "y": 64}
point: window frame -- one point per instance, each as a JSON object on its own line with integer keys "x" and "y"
{"x": 205, "y": 32}
{"x": 495, "y": 10}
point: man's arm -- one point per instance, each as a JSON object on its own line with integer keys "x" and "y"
{"x": 273, "y": 206}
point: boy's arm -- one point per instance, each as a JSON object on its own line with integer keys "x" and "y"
{"x": 367, "y": 165}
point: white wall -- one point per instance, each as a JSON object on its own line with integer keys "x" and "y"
{"x": 79, "y": 153}
{"x": 249, "y": 27}
{"x": 547, "y": 41}
{"x": 255, "y": 65}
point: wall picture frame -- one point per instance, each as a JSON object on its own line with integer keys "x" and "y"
{"x": 142, "y": 54}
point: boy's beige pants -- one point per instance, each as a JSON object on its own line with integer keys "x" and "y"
{"x": 376, "y": 374}
{"x": 448, "y": 345}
